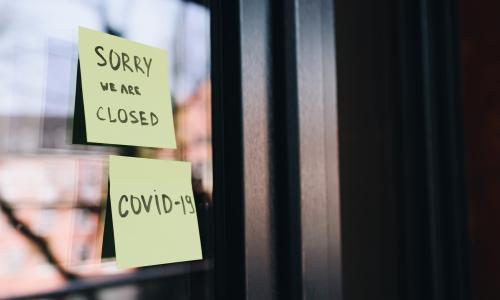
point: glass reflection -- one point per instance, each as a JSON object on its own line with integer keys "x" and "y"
{"x": 52, "y": 193}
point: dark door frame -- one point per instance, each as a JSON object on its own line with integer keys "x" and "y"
{"x": 275, "y": 150}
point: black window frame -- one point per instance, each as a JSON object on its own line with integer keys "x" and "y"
{"x": 276, "y": 159}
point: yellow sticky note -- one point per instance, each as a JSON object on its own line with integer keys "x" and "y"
{"x": 126, "y": 93}
{"x": 153, "y": 212}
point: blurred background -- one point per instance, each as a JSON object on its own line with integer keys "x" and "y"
{"x": 358, "y": 148}
{"x": 53, "y": 193}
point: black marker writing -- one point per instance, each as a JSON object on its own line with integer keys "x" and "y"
{"x": 141, "y": 204}
{"x": 121, "y": 61}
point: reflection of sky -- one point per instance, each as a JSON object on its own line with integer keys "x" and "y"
{"x": 184, "y": 32}
{"x": 38, "y": 38}
{"x": 25, "y": 29}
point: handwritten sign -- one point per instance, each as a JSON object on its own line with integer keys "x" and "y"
{"x": 126, "y": 94}
{"x": 153, "y": 212}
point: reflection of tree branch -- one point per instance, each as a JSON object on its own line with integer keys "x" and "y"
{"x": 40, "y": 243}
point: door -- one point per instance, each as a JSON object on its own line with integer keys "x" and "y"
{"x": 253, "y": 85}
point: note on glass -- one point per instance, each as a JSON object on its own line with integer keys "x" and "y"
{"x": 153, "y": 212}
{"x": 125, "y": 89}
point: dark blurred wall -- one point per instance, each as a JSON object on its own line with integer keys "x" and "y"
{"x": 480, "y": 42}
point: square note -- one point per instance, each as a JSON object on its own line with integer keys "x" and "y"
{"x": 125, "y": 91}
{"x": 153, "y": 212}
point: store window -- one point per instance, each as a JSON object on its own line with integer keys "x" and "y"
{"x": 53, "y": 193}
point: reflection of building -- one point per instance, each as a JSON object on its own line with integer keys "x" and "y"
{"x": 193, "y": 124}
{"x": 59, "y": 200}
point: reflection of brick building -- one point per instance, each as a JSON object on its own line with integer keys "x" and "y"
{"x": 58, "y": 199}
{"x": 194, "y": 124}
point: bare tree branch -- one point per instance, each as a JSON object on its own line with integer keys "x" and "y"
{"x": 39, "y": 242}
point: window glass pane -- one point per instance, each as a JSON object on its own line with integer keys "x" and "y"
{"x": 53, "y": 193}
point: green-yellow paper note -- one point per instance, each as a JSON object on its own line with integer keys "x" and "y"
{"x": 126, "y": 93}
{"x": 153, "y": 211}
